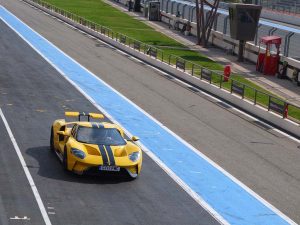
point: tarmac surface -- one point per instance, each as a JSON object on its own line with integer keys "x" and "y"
{"x": 32, "y": 95}
{"x": 35, "y": 96}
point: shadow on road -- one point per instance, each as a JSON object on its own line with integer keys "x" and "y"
{"x": 50, "y": 167}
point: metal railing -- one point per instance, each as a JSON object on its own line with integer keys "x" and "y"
{"x": 244, "y": 91}
{"x": 289, "y": 6}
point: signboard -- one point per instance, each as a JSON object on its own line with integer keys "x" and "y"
{"x": 152, "y": 52}
{"x": 122, "y": 39}
{"x": 277, "y": 107}
{"x": 206, "y": 75}
{"x": 180, "y": 64}
{"x": 243, "y": 20}
{"x": 137, "y": 45}
{"x": 154, "y": 11}
{"x": 235, "y": 88}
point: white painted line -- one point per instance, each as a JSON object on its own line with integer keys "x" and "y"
{"x": 120, "y": 51}
{"x": 19, "y": 218}
{"x": 158, "y": 70}
{"x": 180, "y": 81}
{"x": 26, "y": 170}
{"x": 161, "y": 164}
{"x": 51, "y": 213}
{"x": 135, "y": 59}
{"x": 286, "y": 135}
{"x": 292, "y": 122}
{"x": 245, "y": 114}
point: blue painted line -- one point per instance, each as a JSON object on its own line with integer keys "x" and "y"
{"x": 229, "y": 199}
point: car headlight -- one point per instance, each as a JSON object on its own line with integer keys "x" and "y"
{"x": 134, "y": 156}
{"x": 78, "y": 153}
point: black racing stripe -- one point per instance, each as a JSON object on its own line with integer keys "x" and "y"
{"x": 110, "y": 155}
{"x": 103, "y": 154}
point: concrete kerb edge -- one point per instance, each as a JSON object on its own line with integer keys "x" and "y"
{"x": 222, "y": 94}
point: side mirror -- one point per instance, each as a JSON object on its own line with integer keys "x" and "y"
{"x": 62, "y": 133}
{"x": 135, "y": 138}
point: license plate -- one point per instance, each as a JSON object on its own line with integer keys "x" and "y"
{"x": 109, "y": 168}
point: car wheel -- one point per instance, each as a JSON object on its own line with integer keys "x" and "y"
{"x": 131, "y": 176}
{"x": 52, "y": 140}
{"x": 65, "y": 160}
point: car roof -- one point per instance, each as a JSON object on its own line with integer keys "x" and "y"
{"x": 97, "y": 124}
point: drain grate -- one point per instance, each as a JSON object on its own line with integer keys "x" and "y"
{"x": 193, "y": 89}
{"x": 262, "y": 125}
{"x": 169, "y": 77}
{"x": 224, "y": 105}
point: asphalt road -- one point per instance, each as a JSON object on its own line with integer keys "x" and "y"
{"x": 264, "y": 160}
{"x": 33, "y": 94}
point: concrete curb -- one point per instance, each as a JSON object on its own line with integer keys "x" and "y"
{"x": 271, "y": 118}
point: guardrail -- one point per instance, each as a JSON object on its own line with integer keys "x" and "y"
{"x": 244, "y": 91}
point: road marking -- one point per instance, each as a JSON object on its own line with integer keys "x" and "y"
{"x": 26, "y": 170}
{"x": 19, "y": 218}
{"x": 236, "y": 199}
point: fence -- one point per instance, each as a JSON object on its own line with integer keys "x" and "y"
{"x": 255, "y": 96}
{"x": 287, "y": 6}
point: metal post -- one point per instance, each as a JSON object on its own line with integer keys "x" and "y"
{"x": 167, "y": 7}
{"x": 243, "y": 91}
{"x": 198, "y": 22}
{"x": 272, "y": 30}
{"x": 192, "y": 69}
{"x": 256, "y": 34}
{"x": 216, "y": 21}
{"x": 183, "y": 11}
{"x": 201, "y": 73}
{"x": 287, "y": 43}
{"x": 241, "y": 50}
{"x": 225, "y": 25}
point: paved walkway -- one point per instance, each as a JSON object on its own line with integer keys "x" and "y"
{"x": 283, "y": 88}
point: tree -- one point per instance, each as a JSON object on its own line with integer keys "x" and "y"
{"x": 205, "y": 21}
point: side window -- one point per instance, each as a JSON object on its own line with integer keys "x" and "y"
{"x": 61, "y": 137}
{"x": 73, "y": 131}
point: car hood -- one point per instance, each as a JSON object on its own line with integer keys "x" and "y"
{"x": 117, "y": 151}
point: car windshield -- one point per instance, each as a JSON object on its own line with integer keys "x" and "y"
{"x": 100, "y": 136}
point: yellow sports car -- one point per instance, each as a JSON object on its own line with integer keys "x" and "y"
{"x": 86, "y": 147}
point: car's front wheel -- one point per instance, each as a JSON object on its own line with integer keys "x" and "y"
{"x": 52, "y": 140}
{"x": 65, "y": 160}
{"x": 131, "y": 176}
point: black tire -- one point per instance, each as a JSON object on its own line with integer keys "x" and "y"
{"x": 65, "y": 160}
{"x": 131, "y": 177}
{"x": 52, "y": 140}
